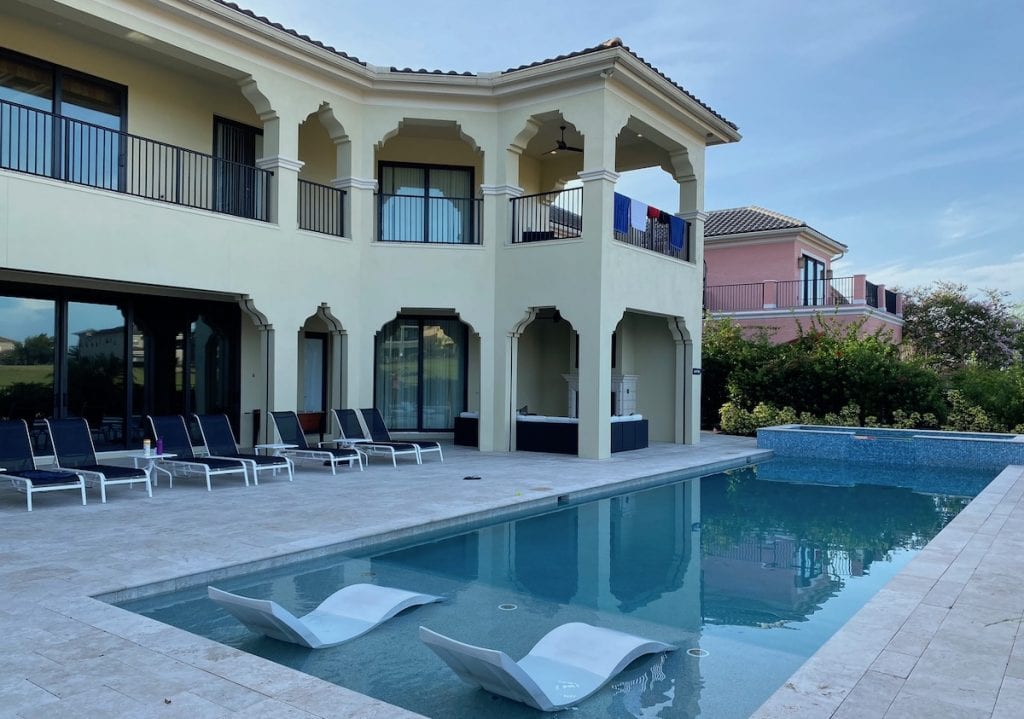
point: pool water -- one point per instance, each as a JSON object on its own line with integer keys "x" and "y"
{"x": 748, "y": 572}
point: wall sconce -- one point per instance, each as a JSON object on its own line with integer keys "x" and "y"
{"x": 801, "y": 261}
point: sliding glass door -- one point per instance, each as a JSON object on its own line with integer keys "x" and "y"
{"x": 421, "y": 373}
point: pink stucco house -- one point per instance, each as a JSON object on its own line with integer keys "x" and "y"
{"x": 766, "y": 269}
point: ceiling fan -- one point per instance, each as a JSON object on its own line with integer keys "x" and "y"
{"x": 560, "y": 144}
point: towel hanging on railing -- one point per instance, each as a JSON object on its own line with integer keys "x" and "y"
{"x": 676, "y": 233}
{"x": 621, "y": 214}
{"x": 638, "y": 215}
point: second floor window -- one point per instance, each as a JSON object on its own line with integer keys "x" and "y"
{"x": 61, "y": 123}
{"x": 426, "y": 203}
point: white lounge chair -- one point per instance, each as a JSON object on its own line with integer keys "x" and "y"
{"x": 566, "y": 666}
{"x": 348, "y": 613}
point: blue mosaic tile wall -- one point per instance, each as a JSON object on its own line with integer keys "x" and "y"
{"x": 898, "y": 447}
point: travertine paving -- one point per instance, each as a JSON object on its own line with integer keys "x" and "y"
{"x": 66, "y": 654}
{"x": 943, "y": 639}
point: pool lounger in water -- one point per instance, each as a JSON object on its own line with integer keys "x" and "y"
{"x": 348, "y": 613}
{"x": 566, "y": 666}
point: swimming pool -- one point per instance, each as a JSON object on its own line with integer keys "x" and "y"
{"x": 756, "y": 573}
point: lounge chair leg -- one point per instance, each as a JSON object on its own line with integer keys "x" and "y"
{"x": 28, "y": 497}
{"x": 103, "y": 492}
{"x": 83, "y": 497}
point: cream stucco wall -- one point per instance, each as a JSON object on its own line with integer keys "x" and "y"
{"x": 186, "y": 71}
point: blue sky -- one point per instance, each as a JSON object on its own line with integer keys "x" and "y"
{"x": 896, "y": 128}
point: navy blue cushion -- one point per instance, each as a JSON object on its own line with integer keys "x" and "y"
{"x": 265, "y": 460}
{"x": 46, "y": 476}
{"x": 342, "y": 453}
{"x": 112, "y": 471}
{"x": 213, "y": 463}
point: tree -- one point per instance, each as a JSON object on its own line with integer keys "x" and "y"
{"x": 950, "y": 329}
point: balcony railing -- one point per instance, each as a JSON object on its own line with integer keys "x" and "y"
{"x": 49, "y": 145}
{"x": 871, "y": 293}
{"x": 780, "y": 295}
{"x": 655, "y": 234}
{"x": 321, "y": 208}
{"x": 547, "y": 216}
{"x": 890, "y": 301}
{"x": 439, "y": 220}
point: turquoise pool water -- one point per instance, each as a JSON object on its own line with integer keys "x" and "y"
{"x": 750, "y": 569}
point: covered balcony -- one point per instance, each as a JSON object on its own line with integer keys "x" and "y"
{"x": 559, "y": 215}
{"x": 72, "y": 150}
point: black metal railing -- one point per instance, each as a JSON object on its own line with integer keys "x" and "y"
{"x": 547, "y": 216}
{"x": 890, "y": 301}
{"x": 814, "y": 293}
{"x": 734, "y": 298}
{"x": 321, "y": 208}
{"x": 870, "y": 294}
{"x": 788, "y": 294}
{"x": 655, "y": 237}
{"x": 441, "y": 220}
{"x": 49, "y": 145}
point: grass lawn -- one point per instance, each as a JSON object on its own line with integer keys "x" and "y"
{"x": 34, "y": 373}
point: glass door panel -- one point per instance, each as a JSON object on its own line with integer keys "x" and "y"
{"x": 397, "y": 374}
{"x": 450, "y": 207}
{"x": 314, "y": 369}
{"x": 444, "y": 377}
{"x": 210, "y": 355}
{"x": 96, "y": 371}
{"x": 92, "y": 146}
{"x": 27, "y": 329}
{"x": 402, "y": 209}
{"x": 26, "y": 128}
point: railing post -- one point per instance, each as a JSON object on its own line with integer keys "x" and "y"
{"x": 881, "y": 297}
{"x": 770, "y": 293}
{"x": 899, "y": 304}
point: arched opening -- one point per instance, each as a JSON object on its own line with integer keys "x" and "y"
{"x": 644, "y": 373}
{"x": 319, "y": 370}
{"x": 549, "y": 154}
{"x": 547, "y": 356}
{"x": 428, "y": 174}
{"x": 325, "y": 153}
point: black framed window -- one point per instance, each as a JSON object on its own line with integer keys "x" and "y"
{"x": 420, "y": 372}
{"x": 61, "y": 123}
{"x": 426, "y": 203}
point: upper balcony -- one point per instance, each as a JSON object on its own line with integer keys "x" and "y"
{"x": 559, "y": 215}
{"x": 793, "y": 294}
{"x": 46, "y": 144}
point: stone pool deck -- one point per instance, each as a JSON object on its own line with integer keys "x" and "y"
{"x": 938, "y": 641}
{"x": 65, "y": 654}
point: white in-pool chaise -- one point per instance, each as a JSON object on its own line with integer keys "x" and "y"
{"x": 348, "y": 613}
{"x": 566, "y": 666}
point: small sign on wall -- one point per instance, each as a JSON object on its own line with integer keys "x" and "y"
{"x": 696, "y": 370}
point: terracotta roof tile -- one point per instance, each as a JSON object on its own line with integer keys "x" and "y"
{"x": 615, "y": 42}
{"x": 747, "y": 219}
{"x": 288, "y": 30}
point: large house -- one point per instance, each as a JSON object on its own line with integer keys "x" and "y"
{"x": 280, "y": 225}
{"x": 769, "y": 271}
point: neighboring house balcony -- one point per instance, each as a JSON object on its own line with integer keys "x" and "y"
{"x": 70, "y": 150}
{"x": 776, "y": 303}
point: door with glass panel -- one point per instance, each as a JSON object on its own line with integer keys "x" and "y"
{"x": 426, "y": 203}
{"x": 421, "y": 373}
{"x": 238, "y": 189}
{"x": 95, "y": 383}
{"x": 61, "y": 123}
{"x": 813, "y": 282}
